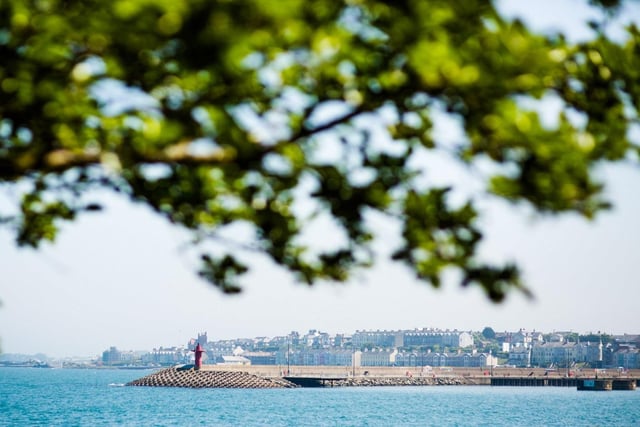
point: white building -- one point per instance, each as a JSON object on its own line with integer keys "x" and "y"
{"x": 554, "y": 354}
{"x": 378, "y": 357}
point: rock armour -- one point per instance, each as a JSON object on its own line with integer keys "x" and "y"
{"x": 398, "y": 381}
{"x": 175, "y": 377}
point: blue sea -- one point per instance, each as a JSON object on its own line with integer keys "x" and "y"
{"x": 68, "y": 397}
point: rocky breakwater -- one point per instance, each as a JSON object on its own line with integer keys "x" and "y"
{"x": 191, "y": 378}
{"x": 399, "y": 381}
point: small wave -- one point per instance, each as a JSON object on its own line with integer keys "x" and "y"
{"x": 116, "y": 385}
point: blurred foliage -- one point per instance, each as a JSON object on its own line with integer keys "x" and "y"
{"x": 216, "y": 112}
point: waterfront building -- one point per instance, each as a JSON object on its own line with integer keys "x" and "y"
{"x": 373, "y": 339}
{"x": 553, "y": 354}
{"x": 413, "y": 358}
{"x": 435, "y": 337}
{"x": 168, "y": 356}
{"x": 510, "y": 340}
{"x": 234, "y": 361}
{"x": 628, "y": 359}
{"x": 378, "y": 357}
{"x": 260, "y": 357}
{"x": 454, "y": 360}
{"x": 216, "y": 350}
{"x": 566, "y": 353}
{"x": 316, "y": 339}
{"x": 435, "y": 359}
{"x": 520, "y": 357}
{"x": 111, "y": 356}
{"x": 626, "y": 340}
{"x": 589, "y": 352}
{"x": 342, "y": 358}
{"x": 342, "y": 340}
{"x": 315, "y": 357}
{"x": 278, "y": 342}
{"x": 293, "y": 338}
{"x": 526, "y": 339}
{"x": 470, "y": 360}
{"x": 555, "y": 337}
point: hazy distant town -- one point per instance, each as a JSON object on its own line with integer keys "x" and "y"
{"x": 411, "y": 347}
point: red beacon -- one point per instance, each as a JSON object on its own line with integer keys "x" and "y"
{"x": 198, "y": 351}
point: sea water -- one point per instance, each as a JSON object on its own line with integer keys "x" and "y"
{"x": 68, "y": 397}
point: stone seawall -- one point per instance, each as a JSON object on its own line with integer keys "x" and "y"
{"x": 189, "y": 377}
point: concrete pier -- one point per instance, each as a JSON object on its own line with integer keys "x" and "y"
{"x": 595, "y": 384}
{"x": 624, "y": 384}
{"x": 533, "y": 382}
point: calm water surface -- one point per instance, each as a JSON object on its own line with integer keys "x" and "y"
{"x": 68, "y": 397}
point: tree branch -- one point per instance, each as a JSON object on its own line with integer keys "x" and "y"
{"x": 303, "y": 133}
{"x": 63, "y": 159}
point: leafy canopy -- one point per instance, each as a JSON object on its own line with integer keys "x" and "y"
{"x": 216, "y": 113}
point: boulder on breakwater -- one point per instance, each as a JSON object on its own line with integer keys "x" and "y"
{"x": 191, "y": 378}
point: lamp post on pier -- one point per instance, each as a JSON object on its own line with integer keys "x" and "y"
{"x": 288, "y": 353}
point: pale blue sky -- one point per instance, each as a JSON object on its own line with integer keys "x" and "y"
{"x": 123, "y": 277}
